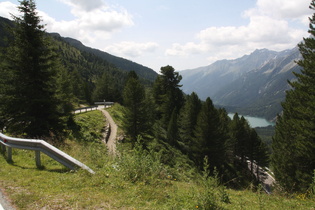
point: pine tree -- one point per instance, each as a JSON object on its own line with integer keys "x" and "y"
{"x": 106, "y": 89}
{"x": 30, "y": 104}
{"x": 135, "y": 114}
{"x": 172, "y": 130}
{"x": 238, "y": 138}
{"x": 167, "y": 94}
{"x": 188, "y": 121}
{"x": 210, "y": 139}
{"x": 294, "y": 141}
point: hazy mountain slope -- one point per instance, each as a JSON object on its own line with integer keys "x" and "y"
{"x": 121, "y": 63}
{"x": 261, "y": 91}
{"x": 254, "y": 84}
{"x": 206, "y": 81}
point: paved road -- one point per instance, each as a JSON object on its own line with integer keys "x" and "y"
{"x": 266, "y": 179}
{"x": 111, "y": 143}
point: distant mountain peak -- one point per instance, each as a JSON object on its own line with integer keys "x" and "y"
{"x": 255, "y": 82}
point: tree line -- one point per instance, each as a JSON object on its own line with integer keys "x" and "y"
{"x": 164, "y": 113}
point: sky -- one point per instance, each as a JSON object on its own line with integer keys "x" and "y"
{"x": 185, "y": 34}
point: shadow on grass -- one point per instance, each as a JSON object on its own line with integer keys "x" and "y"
{"x": 40, "y": 168}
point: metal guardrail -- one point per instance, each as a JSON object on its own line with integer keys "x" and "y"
{"x": 104, "y": 103}
{"x": 40, "y": 146}
{"x": 85, "y": 109}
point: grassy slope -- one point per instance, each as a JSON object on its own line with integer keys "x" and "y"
{"x": 56, "y": 188}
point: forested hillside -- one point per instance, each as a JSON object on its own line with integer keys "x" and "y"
{"x": 95, "y": 75}
{"x": 121, "y": 63}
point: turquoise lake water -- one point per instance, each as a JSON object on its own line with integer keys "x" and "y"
{"x": 255, "y": 121}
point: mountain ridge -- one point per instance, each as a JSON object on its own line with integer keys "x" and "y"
{"x": 253, "y": 84}
{"x": 119, "y": 62}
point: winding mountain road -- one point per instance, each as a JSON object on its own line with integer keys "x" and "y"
{"x": 111, "y": 142}
{"x": 265, "y": 178}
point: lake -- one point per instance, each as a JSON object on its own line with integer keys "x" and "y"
{"x": 255, "y": 121}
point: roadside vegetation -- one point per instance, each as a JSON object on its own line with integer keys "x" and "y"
{"x": 135, "y": 180}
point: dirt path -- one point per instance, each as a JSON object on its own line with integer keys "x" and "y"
{"x": 111, "y": 143}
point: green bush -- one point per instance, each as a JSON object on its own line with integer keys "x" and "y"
{"x": 140, "y": 165}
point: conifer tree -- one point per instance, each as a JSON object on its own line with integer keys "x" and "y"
{"x": 167, "y": 94}
{"x": 106, "y": 89}
{"x": 210, "y": 139}
{"x": 172, "y": 130}
{"x": 294, "y": 141}
{"x": 238, "y": 137}
{"x": 188, "y": 121}
{"x": 29, "y": 100}
{"x": 135, "y": 114}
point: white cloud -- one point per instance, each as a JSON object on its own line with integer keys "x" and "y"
{"x": 94, "y": 20}
{"x": 132, "y": 49}
{"x": 292, "y": 9}
{"x": 186, "y": 49}
{"x": 269, "y": 27}
{"x": 85, "y": 5}
{"x": 6, "y": 8}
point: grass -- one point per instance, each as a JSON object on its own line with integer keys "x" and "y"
{"x": 54, "y": 187}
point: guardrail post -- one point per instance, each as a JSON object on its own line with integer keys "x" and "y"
{"x": 2, "y": 148}
{"x": 9, "y": 158}
{"x": 37, "y": 159}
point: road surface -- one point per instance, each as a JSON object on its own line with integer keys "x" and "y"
{"x": 264, "y": 177}
{"x": 111, "y": 142}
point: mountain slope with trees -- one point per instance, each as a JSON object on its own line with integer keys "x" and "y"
{"x": 95, "y": 75}
{"x": 252, "y": 85}
{"x": 121, "y": 63}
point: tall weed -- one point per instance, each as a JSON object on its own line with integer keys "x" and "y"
{"x": 211, "y": 193}
{"x": 140, "y": 165}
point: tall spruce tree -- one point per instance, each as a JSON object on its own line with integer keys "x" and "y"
{"x": 210, "y": 139}
{"x": 294, "y": 141}
{"x": 29, "y": 101}
{"x": 188, "y": 120}
{"x": 167, "y": 93}
{"x": 168, "y": 99}
{"x": 135, "y": 114}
